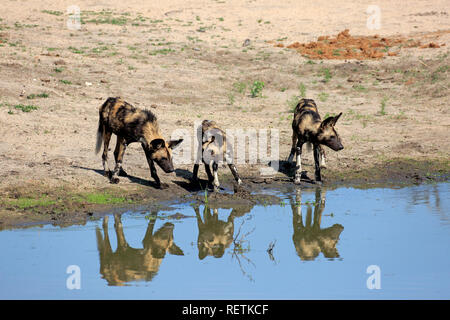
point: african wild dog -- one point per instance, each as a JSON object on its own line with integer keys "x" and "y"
{"x": 308, "y": 127}
{"x": 215, "y": 147}
{"x": 131, "y": 124}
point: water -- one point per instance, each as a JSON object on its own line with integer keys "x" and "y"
{"x": 322, "y": 245}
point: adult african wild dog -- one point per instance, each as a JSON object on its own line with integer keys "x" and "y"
{"x": 308, "y": 127}
{"x": 215, "y": 148}
{"x": 131, "y": 124}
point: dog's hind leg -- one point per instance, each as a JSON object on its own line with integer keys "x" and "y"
{"x": 118, "y": 157}
{"x": 106, "y": 139}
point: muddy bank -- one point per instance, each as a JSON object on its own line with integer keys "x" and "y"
{"x": 31, "y": 204}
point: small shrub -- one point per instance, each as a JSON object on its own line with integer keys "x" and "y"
{"x": 256, "y": 89}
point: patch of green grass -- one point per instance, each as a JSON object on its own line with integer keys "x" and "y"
{"x": 256, "y": 89}
{"x": 65, "y": 81}
{"x": 39, "y": 95}
{"x": 18, "y": 25}
{"x": 240, "y": 87}
{"x": 98, "y": 50}
{"x": 323, "y": 96}
{"x": 59, "y": 70}
{"x": 383, "y": 106}
{"x": 103, "y": 198}
{"x": 25, "y": 108}
{"x": 360, "y": 88}
{"x": 26, "y": 203}
{"x": 355, "y": 115}
{"x": 292, "y": 103}
{"x": 52, "y": 12}
{"x": 75, "y": 50}
{"x": 161, "y": 51}
{"x": 231, "y": 98}
{"x": 326, "y": 74}
{"x": 302, "y": 89}
{"x": 119, "y": 21}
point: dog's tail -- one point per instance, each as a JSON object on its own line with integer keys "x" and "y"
{"x": 98, "y": 145}
{"x": 309, "y": 147}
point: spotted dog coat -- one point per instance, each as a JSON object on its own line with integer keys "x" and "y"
{"x": 214, "y": 148}
{"x": 308, "y": 127}
{"x": 131, "y": 124}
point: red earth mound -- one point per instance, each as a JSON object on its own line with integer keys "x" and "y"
{"x": 346, "y": 46}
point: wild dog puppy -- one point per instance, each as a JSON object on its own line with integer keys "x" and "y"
{"x": 308, "y": 127}
{"x": 131, "y": 124}
{"x": 215, "y": 148}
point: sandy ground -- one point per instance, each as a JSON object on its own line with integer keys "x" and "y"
{"x": 187, "y": 59}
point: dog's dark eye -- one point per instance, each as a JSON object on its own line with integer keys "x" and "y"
{"x": 332, "y": 137}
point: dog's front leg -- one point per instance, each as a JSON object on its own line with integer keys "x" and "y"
{"x": 317, "y": 163}
{"x": 298, "y": 167}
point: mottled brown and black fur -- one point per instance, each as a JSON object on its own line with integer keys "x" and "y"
{"x": 131, "y": 124}
{"x": 215, "y": 148}
{"x": 308, "y": 127}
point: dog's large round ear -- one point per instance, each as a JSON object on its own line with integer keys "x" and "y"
{"x": 174, "y": 143}
{"x": 330, "y": 121}
{"x": 157, "y": 144}
{"x": 336, "y": 118}
{"x": 143, "y": 142}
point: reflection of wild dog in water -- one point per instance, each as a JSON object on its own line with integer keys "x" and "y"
{"x": 215, "y": 148}
{"x": 131, "y": 124}
{"x": 308, "y": 127}
{"x": 309, "y": 239}
{"x": 129, "y": 264}
{"x": 215, "y": 235}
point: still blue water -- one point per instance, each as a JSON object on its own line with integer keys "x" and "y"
{"x": 321, "y": 242}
